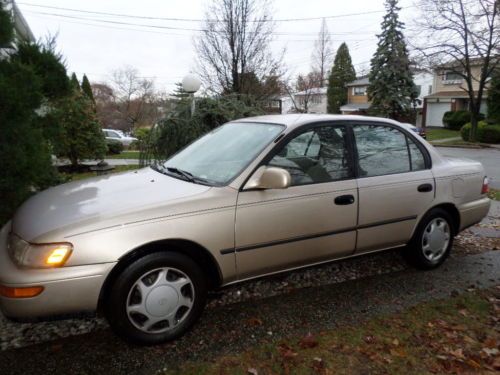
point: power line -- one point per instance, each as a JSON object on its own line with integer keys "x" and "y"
{"x": 205, "y": 20}
{"x": 183, "y": 29}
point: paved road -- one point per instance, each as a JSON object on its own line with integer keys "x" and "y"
{"x": 489, "y": 157}
{"x": 227, "y": 329}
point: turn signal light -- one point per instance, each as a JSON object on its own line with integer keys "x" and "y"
{"x": 58, "y": 256}
{"x": 28, "y": 292}
{"x": 485, "y": 189}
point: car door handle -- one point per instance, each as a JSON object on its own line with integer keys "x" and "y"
{"x": 342, "y": 200}
{"x": 424, "y": 188}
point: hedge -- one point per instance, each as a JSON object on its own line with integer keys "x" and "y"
{"x": 486, "y": 133}
{"x": 457, "y": 119}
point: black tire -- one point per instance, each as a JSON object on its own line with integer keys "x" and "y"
{"x": 115, "y": 305}
{"x": 414, "y": 251}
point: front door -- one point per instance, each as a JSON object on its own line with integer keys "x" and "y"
{"x": 311, "y": 221}
{"x": 396, "y": 185}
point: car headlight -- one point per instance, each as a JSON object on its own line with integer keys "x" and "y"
{"x": 47, "y": 255}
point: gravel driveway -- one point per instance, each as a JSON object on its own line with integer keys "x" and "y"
{"x": 225, "y": 329}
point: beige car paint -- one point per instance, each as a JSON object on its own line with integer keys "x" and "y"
{"x": 108, "y": 217}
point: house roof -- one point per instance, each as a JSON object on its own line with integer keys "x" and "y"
{"x": 312, "y": 91}
{"x": 362, "y": 81}
{"x": 353, "y": 107}
{"x": 453, "y": 94}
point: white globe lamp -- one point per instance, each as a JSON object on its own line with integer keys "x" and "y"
{"x": 191, "y": 83}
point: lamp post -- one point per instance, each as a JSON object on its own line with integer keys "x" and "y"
{"x": 191, "y": 84}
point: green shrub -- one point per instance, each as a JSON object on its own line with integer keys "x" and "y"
{"x": 114, "y": 147}
{"x": 486, "y": 133}
{"x": 457, "y": 119}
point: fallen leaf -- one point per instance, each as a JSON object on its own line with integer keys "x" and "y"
{"x": 254, "y": 322}
{"x": 286, "y": 351}
{"x": 458, "y": 353}
{"x": 395, "y": 342}
{"x": 473, "y": 363}
{"x": 308, "y": 341}
{"x": 491, "y": 352}
{"x": 369, "y": 339}
{"x": 253, "y": 371}
{"x": 463, "y": 312}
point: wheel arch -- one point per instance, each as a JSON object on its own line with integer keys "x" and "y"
{"x": 452, "y": 210}
{"x": 195, "y": 251}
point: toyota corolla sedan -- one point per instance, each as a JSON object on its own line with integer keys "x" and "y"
{"x": 252, "y": 198}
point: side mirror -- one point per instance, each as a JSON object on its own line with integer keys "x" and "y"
{"x": 269, "y": 178}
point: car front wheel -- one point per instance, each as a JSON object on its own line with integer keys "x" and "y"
{"x": 156, "y": 298}
{"x": 432, "y": 241}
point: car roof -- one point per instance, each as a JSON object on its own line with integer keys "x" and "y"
{"x": 296, "y": 120}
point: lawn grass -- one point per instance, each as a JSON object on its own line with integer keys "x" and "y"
{"x": 82, "y": 176}
{"x": 494, "y": 194}
{"x": 125, "y": 155}
{"x": 455, "y": 335}
{"x": 435, "y": 133}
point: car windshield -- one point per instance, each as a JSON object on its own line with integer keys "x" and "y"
{"x": 219, "y": 156}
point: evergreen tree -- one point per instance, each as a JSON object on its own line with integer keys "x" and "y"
{"x": 341, "y": 74}
{"x": 80, "y": 134}
{"x": 29, "y": 76}
{"x": 75, "y": 85}
{"x": 179, "y": 91}
{"x": 391, "y": 89}
{"x": 6, "y": 28}
{"x": 87, "y": 89}
{"x": 494, "y": 96}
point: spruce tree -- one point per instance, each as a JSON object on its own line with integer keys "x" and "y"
{"x": 494, "y": 97}
{"x": 341, "y": 74}
{"x": 391, "y": 89}
{"x": 87, "y": 89}
{"x": 75, "y": 85}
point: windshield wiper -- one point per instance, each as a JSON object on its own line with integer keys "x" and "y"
{"x": 184, "y": 174}
{"x": 188, "y": 176}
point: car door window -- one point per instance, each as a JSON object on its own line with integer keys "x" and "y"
{"x": 113, "y": 135}
{"x": 384, "y": 150}
{"x": 316, "y": 156}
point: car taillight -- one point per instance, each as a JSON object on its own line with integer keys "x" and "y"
{"x": 485, "y": 189}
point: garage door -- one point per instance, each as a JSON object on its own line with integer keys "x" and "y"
{"x": 435, "y": 112}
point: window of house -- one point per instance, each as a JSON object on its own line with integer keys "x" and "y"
{"x": 452, "y": 77}
{"x": 419, "y": 90}
{"x": 316, "y": 156}
{"x": 429, "y": 91}
{"x": 359, "y": 90}
{"x": 384, "y": 150}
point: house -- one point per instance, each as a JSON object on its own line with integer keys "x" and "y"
{"x": 22, "y": 31}
{"x": 450, "y": 93}
{"x": 312, "y": 100}
{"x": 357, "y": 98}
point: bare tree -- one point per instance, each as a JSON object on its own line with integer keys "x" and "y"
{"x": 134, "y": 97}
{"x": 322, "y": 53}
{"x": 234, "y": 46}
{"x": 303, "y": 91}
{"x": 462, "y": 34}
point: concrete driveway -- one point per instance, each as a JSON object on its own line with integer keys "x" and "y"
{"x": 489, "y": 157}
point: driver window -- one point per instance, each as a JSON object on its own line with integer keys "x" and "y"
{"x": 316, "y": 156}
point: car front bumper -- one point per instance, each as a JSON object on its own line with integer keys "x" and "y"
{"x": 67, "y": 290}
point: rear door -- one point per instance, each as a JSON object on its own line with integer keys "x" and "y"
{"x": 395, "y": 183}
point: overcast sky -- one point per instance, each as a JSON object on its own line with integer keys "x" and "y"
{"x": 167, "y": 54}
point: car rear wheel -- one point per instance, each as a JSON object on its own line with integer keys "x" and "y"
{"x": 156, "y": 298}
{"x": 432, "y": 241}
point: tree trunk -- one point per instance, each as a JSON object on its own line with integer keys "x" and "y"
{"x": 473, "y": 128}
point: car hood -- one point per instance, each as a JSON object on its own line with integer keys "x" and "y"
{"x": 98, "y": 202}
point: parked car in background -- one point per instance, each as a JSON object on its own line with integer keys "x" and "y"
{"x": 415, "y": 129}
{"x": 252, "y": 198}
{"x": 118, "y": 136}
